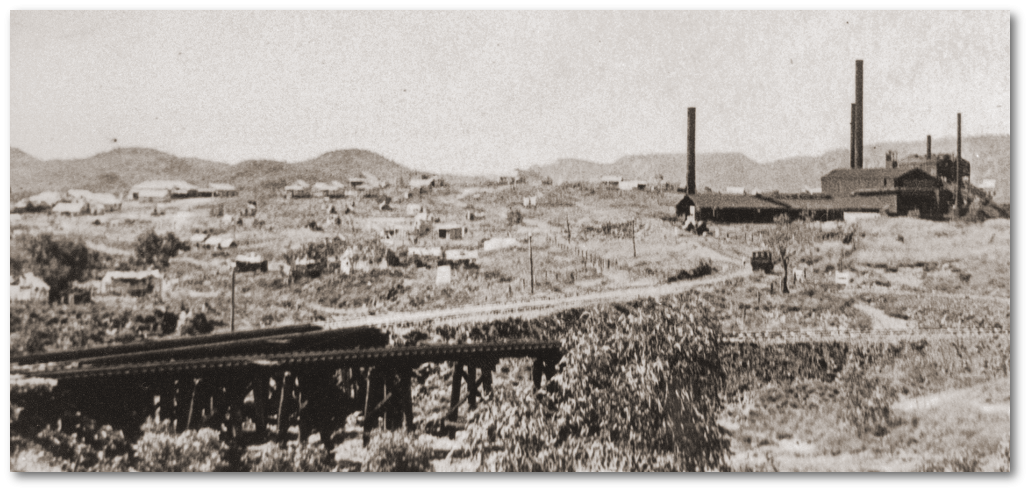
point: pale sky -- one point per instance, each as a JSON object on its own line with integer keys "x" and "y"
{"x": 487, "y": 92}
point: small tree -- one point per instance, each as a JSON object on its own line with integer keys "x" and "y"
{"x": 58, "y": 261}
{"x": 154, "y": 249}
{"x": 788, "y": 239}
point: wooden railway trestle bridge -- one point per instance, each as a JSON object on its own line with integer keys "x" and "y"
{"x": 297, "y": 376}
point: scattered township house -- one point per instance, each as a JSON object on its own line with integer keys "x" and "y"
{"x": 70, "y": 208}
{"x": 451, "y": 231}
{"x": 251, "y": 262}
{"x": 103, "y": 202}
{"x": 197, "y": 240}
{"x": 331, "y": 190}
{"x": 28, "y": 287}
{"x": 500, "y": 243}
{"x": 899, "y": 191}
{"x": 735, "y": 190}
{"x": 132, "y": 283}
{"x": 45, "y": 199}
{"x": 366, "y": 181}
{"x": 219, "y": 242}
{"x": 423, "y": 257}
{"x": 162, "y": 190}
{"x": 511, "y": 179}
{"x": 415, "y": 209}
{"x": 223, "y": 189}
{"x": 632, "y": 185}
{"x": 299, "y": 189}
{"x": 463, "y": 257}
{"x": 424, "y": 181}
{"x": 611, "y": 181}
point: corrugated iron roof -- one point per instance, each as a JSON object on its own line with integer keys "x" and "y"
{"x": 716, "y": 200}
{"x": 159, "y": 184}
{"x": 131, "y": 275}
{"x": 874, "y": 173}
{"x": 842, "y": 203}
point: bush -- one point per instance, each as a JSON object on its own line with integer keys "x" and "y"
{"x": 153, "y": 249}
{"x": 867, "y": 399}
{"x": 59, "y": 261}
{"x": 639, "y": 390}
{"x": 293, "y": 458}
{"x": 161, "y": 450}
{"x": 514, "y": 216}
{"x": 397, "y": 451}
{"x": 86, "y": 446}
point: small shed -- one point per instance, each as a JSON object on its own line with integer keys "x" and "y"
{"x": 197, "y": 240}
{"x": 28, "y": 288}
{"x": 71, "y": 208}
{"x": 451, "y": 231}
{"x": 415, "y": 209}
{"x": 223, "y": 189}
{"x": 251, "y": 262}
{"x": 632, "y": 185}
{"x": 611, "y": 181}
{"x": 133, "y": 283}
{"x": 500, "y": 243}
{"x": 45, "y": 199}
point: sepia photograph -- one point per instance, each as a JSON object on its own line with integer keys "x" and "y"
{"x": 510, "y": 241}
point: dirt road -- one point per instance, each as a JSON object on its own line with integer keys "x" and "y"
{"x": 535, "y": 307}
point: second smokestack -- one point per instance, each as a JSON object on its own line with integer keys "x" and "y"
{"x": 858, "y": 114}
{"x": 691, "y": 169}
{"x": 928, "y": 154}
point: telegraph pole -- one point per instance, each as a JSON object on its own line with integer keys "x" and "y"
{"x": 232, "y": 301}
{"x": 633, "y": 233}
{"x": 531, "y": 283}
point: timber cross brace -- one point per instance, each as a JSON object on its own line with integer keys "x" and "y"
{"x": 245, "y": 396}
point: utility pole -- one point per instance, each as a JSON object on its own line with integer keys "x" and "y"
{"x": 531, "y": 283}
{"x": 232, "y": 301}
{"x": 633, "y": 233}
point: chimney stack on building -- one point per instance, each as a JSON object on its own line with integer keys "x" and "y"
{"x": 928, "y": 154}
{"x": 691, "y": 169}
{"x": 852, "y": 141}
{"x": 958, "y": 169}
{"x": 858, "y": 114}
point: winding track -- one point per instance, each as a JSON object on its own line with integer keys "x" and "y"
{"x": 528, "y": 309}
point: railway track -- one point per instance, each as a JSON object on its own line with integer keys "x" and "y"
{"x": 526, "y": 309}
{"x": 306, "y": 360}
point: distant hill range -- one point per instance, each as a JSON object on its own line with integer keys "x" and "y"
{"x": 988, "y": 157}
{"x": 118, "y": 170}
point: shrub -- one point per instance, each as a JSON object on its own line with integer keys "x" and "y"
{"x": 161, "y": 450}
{"x": 397, "y": 451}
{"x": 514, "y": 216}
{"x": 639, "y": 390}
{"x": 868, "y": 398}
{"x": 59, "y": 261}
{"x": 293, "y": 458}
{"x": 153, "y": 249}
{"x": 88, "y": 447}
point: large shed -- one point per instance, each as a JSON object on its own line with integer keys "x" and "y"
{"x": 900, "y": 191}
{"x": 157, "y": 190}
{"x": 132, "y": 283}
{"x": 730, "y": 208}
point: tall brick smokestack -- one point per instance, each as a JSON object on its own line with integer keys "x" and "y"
{"x": 691, "y": 165}
{"x": 852, "y": 135}
{"x": 928, "y": 154}
{"x": 858, "y": 114}
{"x": 958, "y": 169}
